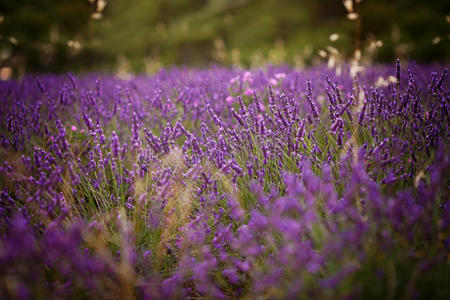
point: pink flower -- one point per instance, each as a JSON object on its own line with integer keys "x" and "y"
{"x": 280, "y": 76}
{"x": 248, "y": 92}
{"x": 230, "y": 100}
{"x": 74, "y": 128}
{"x": 234, "y": 79}
{"x": 247, "y": 77}
{"x": 273, "y": 81}
{"x": 82, "y": 131}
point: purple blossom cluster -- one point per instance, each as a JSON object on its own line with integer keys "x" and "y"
{"x": 225, "y": 183}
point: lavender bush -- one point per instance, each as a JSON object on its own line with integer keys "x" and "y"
{"x": 226, "y": 183}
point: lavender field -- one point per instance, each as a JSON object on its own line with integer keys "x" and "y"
{"x": 226, "y": 183}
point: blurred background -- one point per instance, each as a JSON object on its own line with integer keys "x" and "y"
{"x": 144, "y": 35}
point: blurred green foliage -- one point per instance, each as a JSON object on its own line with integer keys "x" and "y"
{"x": 142, "y": 35}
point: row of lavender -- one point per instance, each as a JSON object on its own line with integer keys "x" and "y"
{"x": 226, "y": 184}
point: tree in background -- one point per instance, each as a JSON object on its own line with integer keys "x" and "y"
{"x": 56, "y": 36}
{"x": 36, "y": 34}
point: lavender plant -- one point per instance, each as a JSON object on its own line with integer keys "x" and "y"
{"x": 226, "y": 183}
